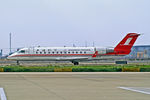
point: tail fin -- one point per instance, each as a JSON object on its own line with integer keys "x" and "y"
{"x": 124, "y": 47}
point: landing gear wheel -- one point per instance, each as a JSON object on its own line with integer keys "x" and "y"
{"x": 76, "y": 63}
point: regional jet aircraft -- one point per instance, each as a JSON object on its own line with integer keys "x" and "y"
{"x": 75, "y": 54}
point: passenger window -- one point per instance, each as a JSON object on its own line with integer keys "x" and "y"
{"x": 53, "y": 52}
{"x": 84, "y": 52}
{"x": 76, "y": 52}
{"x": 57, "y": 52}
{"x": 72, "y": 52}
{"x": 36, "y": 52}
{"x": 40, "y": 52}
{"x": 49, "y": 52}
{"x": 44, "y": 52}
{"x": 61, "y": 52}
{"x": 68, "y": 52}
{"x": 81, "y": 52}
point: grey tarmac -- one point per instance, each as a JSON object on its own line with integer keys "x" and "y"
{"x": 74, "y": 85}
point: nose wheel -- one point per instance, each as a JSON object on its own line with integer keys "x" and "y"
{"x": 18, "y": 62}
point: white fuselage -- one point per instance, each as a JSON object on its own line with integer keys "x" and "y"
{"x": 58, "y": 53}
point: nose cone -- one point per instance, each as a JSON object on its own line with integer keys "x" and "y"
{"x": 12, "y": 56}
{"x": 9, "y": 57}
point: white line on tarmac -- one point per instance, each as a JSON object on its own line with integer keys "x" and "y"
{"x": 135, "y": 90}
{"x": 2, "y": 94}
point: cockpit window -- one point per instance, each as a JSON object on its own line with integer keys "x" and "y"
{"x": 22, "y": 51}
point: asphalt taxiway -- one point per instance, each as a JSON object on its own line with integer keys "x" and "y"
{"x": 75, "y": 86}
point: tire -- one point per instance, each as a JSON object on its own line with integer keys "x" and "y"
{"x": 76, "y": 63}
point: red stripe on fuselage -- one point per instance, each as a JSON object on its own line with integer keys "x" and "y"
{"x": 42, "y": 55}
{"x": 52, "y": 55}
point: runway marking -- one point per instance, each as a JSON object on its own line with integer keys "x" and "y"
{"x": 137, "y": 89}
{"x": 2, "y": 94}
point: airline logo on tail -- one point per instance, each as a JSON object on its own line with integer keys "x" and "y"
{"x": 128, "y": 41}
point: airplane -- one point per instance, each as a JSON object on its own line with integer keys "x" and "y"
{"x": 75, "y": 54}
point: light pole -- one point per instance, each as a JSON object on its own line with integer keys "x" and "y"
{"x": 10, "y": 43}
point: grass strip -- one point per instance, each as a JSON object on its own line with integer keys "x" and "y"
{"x": 86, "y": 68}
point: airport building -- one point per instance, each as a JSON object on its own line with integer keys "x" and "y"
{"x": 140, "y": 52}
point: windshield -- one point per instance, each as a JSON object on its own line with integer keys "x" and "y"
{"x": 21, "y": 51}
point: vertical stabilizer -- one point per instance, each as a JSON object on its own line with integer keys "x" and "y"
{"x": 124, "y": 47}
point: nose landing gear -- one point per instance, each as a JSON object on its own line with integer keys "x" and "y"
{"x": 18, "y": 62}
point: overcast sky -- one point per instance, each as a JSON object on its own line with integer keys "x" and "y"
{"x": 67, "y": 22}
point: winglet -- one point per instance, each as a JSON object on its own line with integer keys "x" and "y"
{"x": 95, "y": 54}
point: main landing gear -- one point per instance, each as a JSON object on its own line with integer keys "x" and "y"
{"x": 75, "y": 62}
